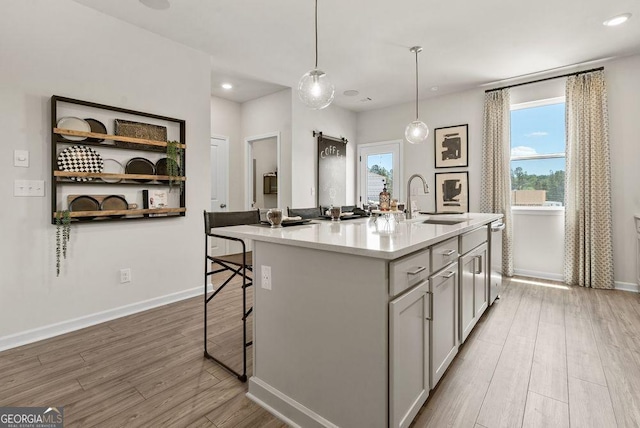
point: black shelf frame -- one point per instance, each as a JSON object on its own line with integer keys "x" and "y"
{"x": 56, "y": 140}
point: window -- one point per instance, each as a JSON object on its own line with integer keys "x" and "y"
{"x": 379, "y": 165}
{"x": 538, "y": 153}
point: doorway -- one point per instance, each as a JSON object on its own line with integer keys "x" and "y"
{"x": 263, "y": 163}
{"x": 379, "y": 165}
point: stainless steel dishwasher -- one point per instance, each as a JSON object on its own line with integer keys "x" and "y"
{"x": 495, "y": 261}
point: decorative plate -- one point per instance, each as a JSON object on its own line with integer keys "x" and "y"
{"x": 96, "y": 127}
{"x": 114, "y": 202}
{"x": 84, "y": 203}
{"x": 161, "y": 168}
{"x": 74, "y": 124}
{"x": 112, "y": 166}
{"x": 80, "y": 159}
{"x": 140, "y": 166}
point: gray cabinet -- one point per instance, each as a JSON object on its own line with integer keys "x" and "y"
{"x": 473, "y": 289}
{"x": 444, "y": 321}
{"x": 408, "y": 354}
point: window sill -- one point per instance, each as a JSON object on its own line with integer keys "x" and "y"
{"x": 546, "y": 211}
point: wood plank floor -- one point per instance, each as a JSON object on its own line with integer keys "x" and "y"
{"x": 544, "y": 355}
{"x": 143, "y": 370}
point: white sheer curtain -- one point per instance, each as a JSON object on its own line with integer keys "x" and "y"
{"x": 496, "y": 176}
{"x": 588, "y": 249}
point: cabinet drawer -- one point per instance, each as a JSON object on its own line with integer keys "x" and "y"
{"x": 471, "y": 240}
{"x": 444, "y": 253}
{"x": 408, "y": 271}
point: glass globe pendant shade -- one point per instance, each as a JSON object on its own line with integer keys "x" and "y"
{"x": 315, "y": 89}
{"x": 416, "y": 132}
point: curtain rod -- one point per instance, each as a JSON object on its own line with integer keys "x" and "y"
{"x": 545, "y": 79}
{"x": 326, "y": 137}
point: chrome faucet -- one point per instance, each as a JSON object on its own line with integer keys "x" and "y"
{"x": 426, "y": 190}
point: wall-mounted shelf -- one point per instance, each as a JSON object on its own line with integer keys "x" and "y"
{"x": 109, "y": 137}
{"x": 120, "y": 176}
{"x": 135, "y": 212}
{"x": 109, "y": 148}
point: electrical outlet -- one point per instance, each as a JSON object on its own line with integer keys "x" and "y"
{"x": 125, "y": 275}
{"x": 266, "y": 277}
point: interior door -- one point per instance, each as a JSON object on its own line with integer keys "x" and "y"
{"x": 219, "y": 187}
{"x": 219, "y": 174}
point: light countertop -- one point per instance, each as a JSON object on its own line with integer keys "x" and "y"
{"x": 381, "y": 239}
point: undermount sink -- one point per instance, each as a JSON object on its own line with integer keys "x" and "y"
{"x": 442, "y": 221}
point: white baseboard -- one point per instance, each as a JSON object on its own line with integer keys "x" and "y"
{"x": 40, "y": 333}
{"x": 284, "y": 407}
{"x": 627, "y": 286}
{"x": 537, "y": 274}
{"x": 618, "y": 285}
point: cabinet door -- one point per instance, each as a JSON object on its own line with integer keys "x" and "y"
{"x": 444, "y": 321}
{"x": 481, "y": 281}
{"x": 408, "y": 355}
{"x": 468, "y": 266}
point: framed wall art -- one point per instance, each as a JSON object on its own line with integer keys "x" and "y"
{"x": 452, "y": 146}
{"x": 452, "y": 192}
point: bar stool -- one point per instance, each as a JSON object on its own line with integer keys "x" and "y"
{"x": 237, "y": 264}
{"x": 305, "y": 213}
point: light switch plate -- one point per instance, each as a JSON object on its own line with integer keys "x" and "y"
{"x": 32, "y": 188}
{"x": 21, "y": 158}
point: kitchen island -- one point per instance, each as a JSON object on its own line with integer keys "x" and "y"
{"x": 356, "y": 321}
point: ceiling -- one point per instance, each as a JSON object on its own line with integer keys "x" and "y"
{"x": 264, "y": 46}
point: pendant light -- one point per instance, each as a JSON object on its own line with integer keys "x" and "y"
{"x": 315, "y": 89}
{"x": 417, "y": 131}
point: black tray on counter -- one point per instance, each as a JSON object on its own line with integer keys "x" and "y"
{"x": 343, "y": 217}
{"x": 289, "y": 222}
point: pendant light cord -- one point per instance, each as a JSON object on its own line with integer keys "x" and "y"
{"x": 317, "y": 34}
{"x": 417, "y": 116}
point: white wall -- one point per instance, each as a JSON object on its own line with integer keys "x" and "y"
{"x": 538, "y": 249}
{"x": 332, "y": 121}
{"x": 226, "y": 122}
{"x": 67, "y": 49}
{"x": 456, "y": 109}
{"x": 623, "y": 87}
{"x": 267, "y": 115}
{"x": 623, "y": 90}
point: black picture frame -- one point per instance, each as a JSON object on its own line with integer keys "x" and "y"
{"x": 451, "y": 146}
{"x": 452, "y": 192}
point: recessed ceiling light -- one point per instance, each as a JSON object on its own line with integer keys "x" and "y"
{"x": 617, "y": 20}
{"x": 434, "y": 88}
{"x": 227, "y": 86}
{"x": 351, "y": 93}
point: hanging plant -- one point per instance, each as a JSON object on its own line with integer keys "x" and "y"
{"x": 174, "y": 160}
{"x": 63, "y": 233}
